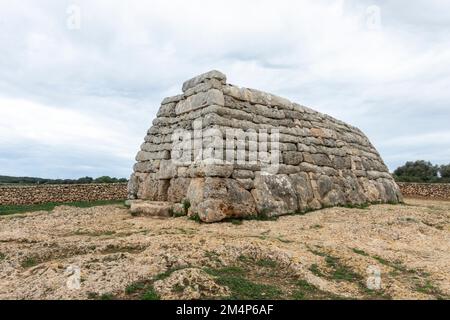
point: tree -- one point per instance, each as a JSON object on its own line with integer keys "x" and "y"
{"x": 85, "y": 180}
{"x": 445, "y": 171}
{"x": 418, "y": 171}
{"x": 105, "y": 179}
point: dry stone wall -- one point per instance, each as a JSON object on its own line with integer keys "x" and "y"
{"x": 440, "y": 191}
{"x": 25, "y": 195}
{"x": 319, "y": 161}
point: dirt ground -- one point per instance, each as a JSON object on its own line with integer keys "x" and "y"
{"x": 331, "y": 253}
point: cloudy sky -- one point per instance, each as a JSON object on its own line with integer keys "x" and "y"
{"x": 80, "y": 82}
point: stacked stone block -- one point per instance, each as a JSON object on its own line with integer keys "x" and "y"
{"x": 323, "y": 162}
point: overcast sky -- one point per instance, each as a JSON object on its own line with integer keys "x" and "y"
{"x": 78, "y": 92}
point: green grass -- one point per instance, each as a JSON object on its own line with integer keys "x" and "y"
{"x": 134, "y": 287}
{"x": 341, "y": 272}
{"x": 96, "y": 296}
{"x": 14, "y": 209}
{"x": 266, "y": 263}
{"x": 314, "y": 268}
{"x": 418, "y": 279}
{"x": 195, "y": 217}
{"x": 241, "y": 288}
{"x": 142, "y": 290}
{"x": 106, "y": 296}
{"x": 150, "y": 294}
{"x": 306, "y": 291}
{"x": 337, "y": 271}
{"x": 2, "y": 256}
{"x": 29, "y": 262}
{"x": 186, "y": 205}
{"x": 168, "y": 273}
{"x": 360, "y": 252}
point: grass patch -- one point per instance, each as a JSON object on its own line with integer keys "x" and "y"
{"x": 7, "y": 209}
{"x": 314, "y": 268}
{"x": 150, "y": 294}
{"x": 341, "y": 272}
{"x": 306, "y": 291}
{"x": 337, "y": 271}
{"x": 241, "y": 288}
{"x": 419, "y": 279}
{"x": 213, "y": 256}
{"x": 186, "y": 205}
{"x": 142, "y": 290}
{"x": 135, "y": 287}
{"x": 2, "y": 256}
{"x": 29, "y": 262}
{"x": 427, "y": 287}
{"x": 168, "y": 273}
{"x": 195, "y": 217}
{"x": 360, "y": 252}
{"x": 178, "y": 288}
{"x": 96, "y": 296}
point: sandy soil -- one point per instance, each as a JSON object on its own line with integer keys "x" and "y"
{"x": 409, "y": 244}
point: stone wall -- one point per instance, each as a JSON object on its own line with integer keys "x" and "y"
{"x": 25, "y": 195}
{"x": 439, "y": 191}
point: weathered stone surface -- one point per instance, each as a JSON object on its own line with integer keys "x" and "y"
{"x": 151, "y": 208}
{"x": 167, "y": 170}
{"x": 319, "y": 161}
{"x": 292, "y": 158}
{"x": 200, "y": 100}
{"x": 133, "y": 187}
{"x": 148, "y": 188}
{"x": 204, "y": 78}
{"x": 303, "y": 189}
{"x": 275, "y": 195}
{"x": 178, "y": 189}
{"x": 147, "y": 166}
{"x": 215, "y": 199}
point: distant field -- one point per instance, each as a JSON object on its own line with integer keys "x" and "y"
{"x": 7, "y": 210}
{"x": 8, "y": 180}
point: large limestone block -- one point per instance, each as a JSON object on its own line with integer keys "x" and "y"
{"x": 178, "y": 189}
{"x": 275, "y": 195}
{"x": 216, "y": 199}
{"x": 205, "y": 77}
{"x": 151, "y": 208}
{"x": 200, "y": 100}
{"x": 303, "y": 189}
{"x": 151, "y": 188}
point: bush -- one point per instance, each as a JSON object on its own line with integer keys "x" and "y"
{"x": 445, "y": 171}
{"x": 422, "y": 171}
{"x": 418, "y": 171}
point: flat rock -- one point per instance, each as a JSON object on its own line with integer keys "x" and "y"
{"x": 151, "y": 208}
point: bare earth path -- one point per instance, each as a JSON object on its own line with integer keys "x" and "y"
{"x": 328, "y": 253}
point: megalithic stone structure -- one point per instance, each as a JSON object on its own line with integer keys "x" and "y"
{"x": 231, "y": 152}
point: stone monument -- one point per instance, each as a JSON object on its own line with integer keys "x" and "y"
{"x": 218, "y": 151}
